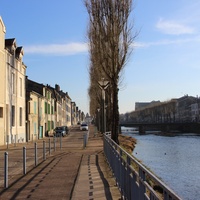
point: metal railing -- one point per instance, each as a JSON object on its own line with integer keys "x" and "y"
{"x": 135, "y": 182}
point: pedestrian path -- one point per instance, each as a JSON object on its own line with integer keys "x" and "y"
{"x": 89, "y": 184}
{"x": 95, "y": 179}
{"x": 71, "y": 173}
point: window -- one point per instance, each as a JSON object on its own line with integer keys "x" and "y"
{"x": 49, "y": 125}
{"x": 49, "y": 110}
{"x": 35, "y": 128}
{"x": 1, "y": 112}
{"x": 40, "y": 111}
{"x": 13, "y": 83}
{"x": 47, "y": 94}
{"x": 45, "y": 107}
{"x": 52, "y": 124}
{"x": 13, "y": 115}
{"x": 20, "y": 116}
{"x": 20, "y": 87}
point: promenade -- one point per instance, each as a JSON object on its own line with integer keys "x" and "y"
{"x": 70, "y": 172}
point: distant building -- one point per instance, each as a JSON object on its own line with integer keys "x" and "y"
{"x": 47, "y": 108}
{"x": 185, "y": 108}
{"x": 73, "y": 113}
{"x": 63, "y": 102}
{"x": 40, "y": 110}
{"x": 139, "y": 105}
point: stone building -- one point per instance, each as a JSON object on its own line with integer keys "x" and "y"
{"x": 12, "y": 90}
{"x": 2, "y": 83}
{"x": 40, "y": 103}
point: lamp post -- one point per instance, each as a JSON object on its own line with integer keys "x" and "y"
{"x": 103, "y": 85}
{"x": 98, "y": 110}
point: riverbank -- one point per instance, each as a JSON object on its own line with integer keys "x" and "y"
{"x": 127, "y": 142}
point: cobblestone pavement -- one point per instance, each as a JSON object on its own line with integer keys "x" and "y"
{"x": 69, "y": 171}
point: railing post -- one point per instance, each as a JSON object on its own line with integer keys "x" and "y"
{"x": 128, "y": 180}
{"x": 44, "y": 150}
{"x": 142, "y": 188}
{"x": 24, "y": 160}
{"x": 6, "y": 170}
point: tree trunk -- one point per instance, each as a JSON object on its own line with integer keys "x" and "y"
{"x": 115, "y": 121}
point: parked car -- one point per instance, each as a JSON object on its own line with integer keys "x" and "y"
{"x": 61, "y": 131}
{"x": 84, "y": 127}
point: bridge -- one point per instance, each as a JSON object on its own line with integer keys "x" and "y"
{"x": 182, "y": 127}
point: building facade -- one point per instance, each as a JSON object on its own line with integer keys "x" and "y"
{"x": 15, "y": 108}
{"x": 2, "y": 82}
{"x": 28, "y": 110}
{"x": 12, "y": 90}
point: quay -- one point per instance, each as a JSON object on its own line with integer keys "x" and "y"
{"x": 72, "y": 172}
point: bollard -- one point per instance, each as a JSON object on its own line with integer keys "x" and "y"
{"x": 24, "y": 160}
{"x": 49, "y": 146}
{"x": 6, "y": 170}
{"x": 44, "y": 150}
{"x": 60, "y": 141}
{"x": 84, "y": 140}
{"x": 15, "y": 140}
{"x": 54, "y": 143}
{"x": 7, "y": 140}
{"x": 36, "y": 160}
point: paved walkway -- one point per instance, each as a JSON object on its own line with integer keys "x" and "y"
{"x": 68, "y": 173}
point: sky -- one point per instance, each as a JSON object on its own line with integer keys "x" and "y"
{"x": 164, "y": 64}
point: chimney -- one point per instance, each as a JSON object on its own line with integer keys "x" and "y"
{"x": 57, "y": 87}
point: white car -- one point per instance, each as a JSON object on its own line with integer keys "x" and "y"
{"x": 84, "y": 127}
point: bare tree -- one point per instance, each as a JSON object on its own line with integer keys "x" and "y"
{"x": 110, "y": 37}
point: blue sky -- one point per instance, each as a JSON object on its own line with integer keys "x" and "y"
{"x": 165, "y": 62}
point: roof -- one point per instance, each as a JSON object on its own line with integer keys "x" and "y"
{"x": 10, "y": 42}
{"x": 34, "y": 86}
{"x": 19, "y": 51}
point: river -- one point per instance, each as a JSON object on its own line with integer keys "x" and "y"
{"x": 176, "y": 160}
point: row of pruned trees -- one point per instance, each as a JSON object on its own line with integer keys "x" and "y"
{"x": 110, "y": 37}
{"x": 159, "y": 112}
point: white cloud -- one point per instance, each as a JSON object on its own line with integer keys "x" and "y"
{"x": 173, "y": 28}
{"x": 57, "y": 49}
{"x": 166, "y": 42}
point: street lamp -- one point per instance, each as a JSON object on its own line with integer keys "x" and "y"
{"x": 98, "y": 110}
{"x": 103, "y": 85}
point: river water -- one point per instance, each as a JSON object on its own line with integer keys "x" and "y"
{"x": 176, "y": 160}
